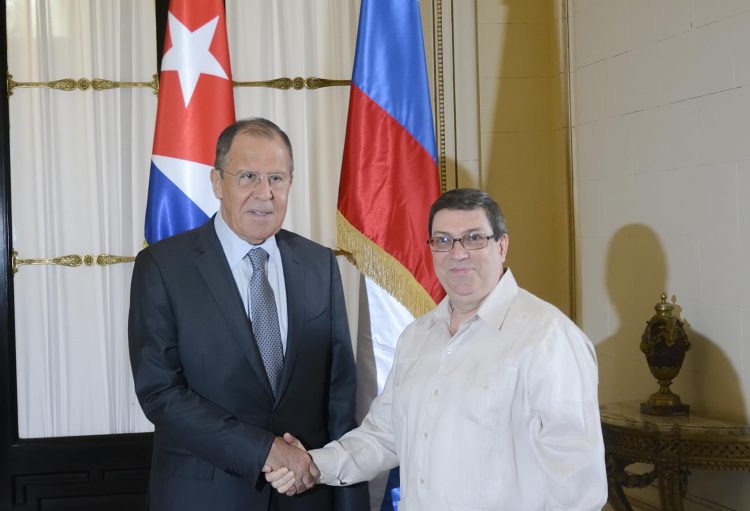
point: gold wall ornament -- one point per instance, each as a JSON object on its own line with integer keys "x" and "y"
{"x": 297, "y": 83}
{"x": 71, "y": 84}
{"x": 100, "y": 84}
{"x": 66, "y": 260}
{"x": 70, "y": 260}
{"x": 664, "y": 342}
{"x": 108, "y": 259}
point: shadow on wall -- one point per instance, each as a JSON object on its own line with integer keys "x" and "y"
{"x": 636, "y": 275}
{"x": 711, "y": 382}
{"x": 525, "y": 138}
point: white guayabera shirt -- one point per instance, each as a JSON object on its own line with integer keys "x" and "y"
{"x": 502, "y": 415}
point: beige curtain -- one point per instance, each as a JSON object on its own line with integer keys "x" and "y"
{"x": 79, "y": 161}
{"x": 80, "y": 164}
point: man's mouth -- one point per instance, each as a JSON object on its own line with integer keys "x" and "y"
{"x": 260, "y": 212}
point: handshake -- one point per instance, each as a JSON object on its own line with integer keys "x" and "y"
{"x": 289, "y": 468}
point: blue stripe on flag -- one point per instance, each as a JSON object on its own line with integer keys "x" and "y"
{"x": 168, "y": 210}
{"x": 392, "y": 492}
{"x": 389, "y": 65}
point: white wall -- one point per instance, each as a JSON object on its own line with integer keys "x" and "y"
{"x": 661, "y": 112}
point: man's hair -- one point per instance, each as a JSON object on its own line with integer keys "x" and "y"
{"x": 257, "y": 127}
{"x": 468, "y": 199}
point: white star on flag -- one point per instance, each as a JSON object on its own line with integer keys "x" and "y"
{"x": 189, "y": 55}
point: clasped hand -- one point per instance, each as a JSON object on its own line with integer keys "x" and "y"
{"x": 289, "y": 468}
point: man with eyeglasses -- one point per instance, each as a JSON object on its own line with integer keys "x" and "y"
{"x": 492, "y": 399}
{"x": 238, "y": 333}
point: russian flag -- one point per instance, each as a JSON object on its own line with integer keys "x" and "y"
{"x": 389, "y": 175}
{"x": 196, "y": 103}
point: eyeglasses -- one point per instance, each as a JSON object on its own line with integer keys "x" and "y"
{"x": 248, "y": 179}
{"x": 468, "y": 241}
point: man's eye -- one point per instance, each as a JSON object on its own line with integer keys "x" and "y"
{"x": 250, "y": 177}
{"x": 443, "y": 240}
{"x": 474, "y": 237}
{"x": 275, "y": 179}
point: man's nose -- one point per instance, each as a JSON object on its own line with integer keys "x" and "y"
{"x": 263, "y": 188}
{"x": 458, "y": 251}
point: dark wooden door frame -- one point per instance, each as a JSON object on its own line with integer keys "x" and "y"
{"x": 7, "y": 347}
{"x": 88, "y": 473}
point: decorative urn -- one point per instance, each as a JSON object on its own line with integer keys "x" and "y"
{"x": 664, "y": 342}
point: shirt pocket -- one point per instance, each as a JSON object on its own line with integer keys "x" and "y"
{"x": 498, "y": 385}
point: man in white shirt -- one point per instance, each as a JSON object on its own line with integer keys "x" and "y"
{"x": 492, "y": 399}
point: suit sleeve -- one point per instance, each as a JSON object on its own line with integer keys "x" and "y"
{"x": 195, "y": 423}
{"x": 342, "y": 388}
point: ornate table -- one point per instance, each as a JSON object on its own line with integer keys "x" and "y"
{"x": 673, "y": 445}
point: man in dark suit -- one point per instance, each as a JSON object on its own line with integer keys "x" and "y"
{"x": 237, "y": 334}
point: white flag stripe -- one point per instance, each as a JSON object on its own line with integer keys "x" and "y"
{"x": 192, "y": 178}
{"x": 388, "y": 318}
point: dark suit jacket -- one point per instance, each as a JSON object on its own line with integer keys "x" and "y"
{"x": 200, "y": 379}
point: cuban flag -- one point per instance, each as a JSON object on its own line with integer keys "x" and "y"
{"x": 389, "y": 177}
{"x": 196, "y": 103}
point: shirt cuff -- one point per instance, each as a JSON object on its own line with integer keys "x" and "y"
{"x": 327, "y": 462}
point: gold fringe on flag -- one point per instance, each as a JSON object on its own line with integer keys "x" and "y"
{"x": 382, "y": 268}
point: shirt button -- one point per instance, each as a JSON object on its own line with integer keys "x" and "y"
{"x": 435, "y": 392}
{"x": 421, "y": 481}
{"x": 425, "y": 435}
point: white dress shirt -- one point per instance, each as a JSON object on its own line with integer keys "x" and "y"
{"x": 503, "y": 415}
{"x": 235, "y": 249}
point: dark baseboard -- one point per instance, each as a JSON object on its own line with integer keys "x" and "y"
{"x": 108, "y": 472}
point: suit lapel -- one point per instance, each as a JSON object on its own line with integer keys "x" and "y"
{"x": 213, "y": 267}
{"x": 294, "y": 282}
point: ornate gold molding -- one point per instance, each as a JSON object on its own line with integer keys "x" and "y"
{"x": 440, "y": 94}
{"x": 71, "y": 260}
{"x": 71, "y": 84}
{"x": 100, "y": 84}
{"x": 109, "y": 259}
{"x": 296, "y": 83}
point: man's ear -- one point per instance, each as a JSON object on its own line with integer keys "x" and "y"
{"x": 216, "y": 181}
{"x": 504, "y": 243}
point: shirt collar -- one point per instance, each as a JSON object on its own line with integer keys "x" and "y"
{"x": 236, "y": 248}
{"x": 495, "y": 307}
